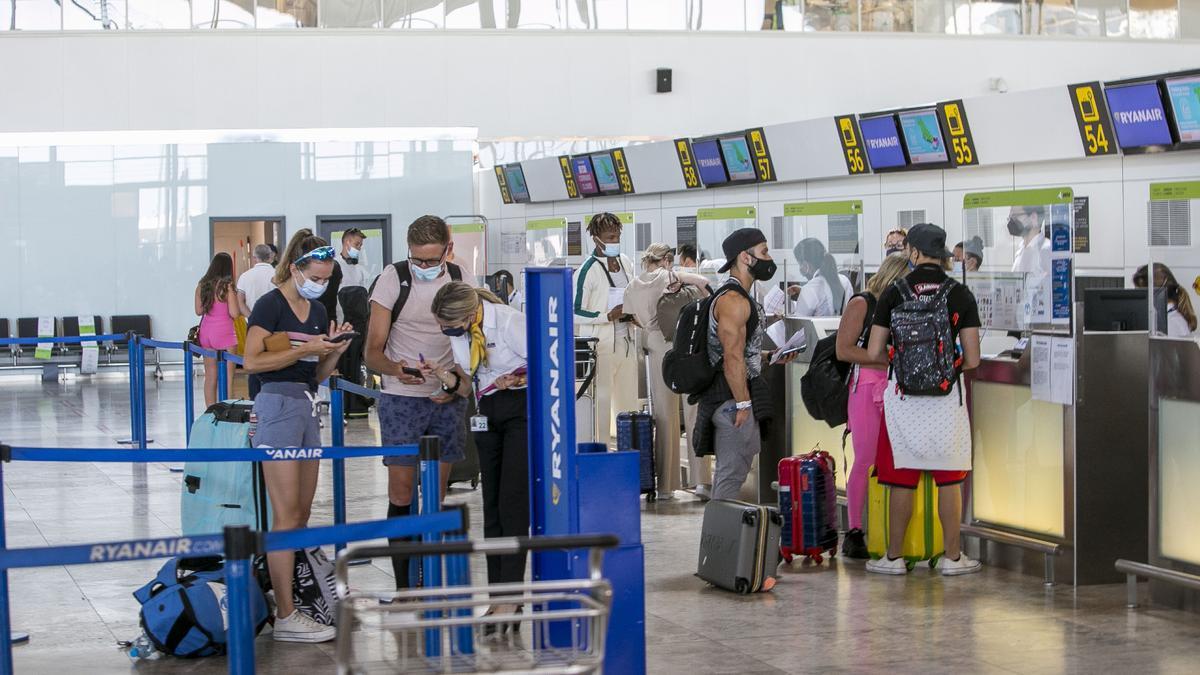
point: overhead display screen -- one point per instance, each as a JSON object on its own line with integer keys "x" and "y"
{"x": 882, "y": 141}
{"x": 516, "y": 183}
{"x": 1138, "y": 115}
{"x": 585, "y": 177}
{"x": 738, "y": 163}
{"x": 606, "y": 173}
{"x": 708, "y": 160}
{"x": 923, "y": 137}
{"x": 1184, "y": 93}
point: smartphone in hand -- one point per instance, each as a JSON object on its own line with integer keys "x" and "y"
{"x": 412, "y": 372}
{"x": 348, "y": 335}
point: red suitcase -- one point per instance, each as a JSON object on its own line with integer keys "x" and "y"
{"x": 808, "y": 506}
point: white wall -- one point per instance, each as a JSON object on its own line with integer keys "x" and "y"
{"x": 524, "y": 84}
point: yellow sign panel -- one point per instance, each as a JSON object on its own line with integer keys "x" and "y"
{"x": 504, "y": 193}
{"x": 564, "y": 163}
{"x": 1091, "y": 114}
{"x": 623, "y": 177}
{"x": 691, "y": 177}
{"x": 852, "y": 151}
{"x": 962, "y": 145}
{"x": 762, "y": 156}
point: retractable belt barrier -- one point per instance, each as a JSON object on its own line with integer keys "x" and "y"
{"x": 237, "y": 544}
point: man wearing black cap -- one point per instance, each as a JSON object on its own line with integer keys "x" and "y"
{"x": 734, "y": 411}
{"x": 925, "y": 430}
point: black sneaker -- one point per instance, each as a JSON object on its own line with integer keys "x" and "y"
{"x": 854, "y": 545}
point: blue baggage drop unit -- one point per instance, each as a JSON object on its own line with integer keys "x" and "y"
{"x": 579, "y": 493}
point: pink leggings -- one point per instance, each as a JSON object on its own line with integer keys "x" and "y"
{"x": 865, "y": 412}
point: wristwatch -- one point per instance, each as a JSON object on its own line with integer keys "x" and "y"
{"x": 743, "y": 405}
{"x": 453, "y": 389}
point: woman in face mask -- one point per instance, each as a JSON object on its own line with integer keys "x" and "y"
{"x": 894, "y": 241}
{"x": 1181, "y": 317}
{"x": 290, "y": 347}
{"x": 826, "y": 292}
{"x": 487, "y": 338}
{"x": 600, "y": 313}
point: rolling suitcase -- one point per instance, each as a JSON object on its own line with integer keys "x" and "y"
{"x": 808, "y": 506}
{"x": 635, "y": 431}
{"x": 467, "y": 471}
{"x": 923, "y": 539}
{"x": 739, "y": 546}
{"x": 216, "y": 494}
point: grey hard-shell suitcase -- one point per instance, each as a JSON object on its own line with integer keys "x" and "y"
{"x": 739, "y": 545}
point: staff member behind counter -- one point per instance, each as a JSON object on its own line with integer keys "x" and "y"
{"x": 288, "y": 347}
{"x": 487, "y": 338}
{"x": 600, "y": 313}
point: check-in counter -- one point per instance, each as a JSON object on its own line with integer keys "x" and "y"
{"x": 1073, "y": 477}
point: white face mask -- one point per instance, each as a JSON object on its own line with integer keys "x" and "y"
{"x": 958, "y": 267}
{"x": 311, "y": 289}
{"x": 352, "y": 254}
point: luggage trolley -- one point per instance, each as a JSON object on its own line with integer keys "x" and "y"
{"x": 585, "y": 389}
{"x": 562, "y": 627}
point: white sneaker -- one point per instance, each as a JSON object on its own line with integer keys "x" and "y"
{"x": 299, "y": 627}
{"x": 666, "y": 496}
{"x": 885, "y": 565}
{"x": 703, "y": 492}
{"x": 953, "y": 568}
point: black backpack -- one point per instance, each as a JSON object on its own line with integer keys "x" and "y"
{"x": 686, "y": 368}
{"x": 824, "y": 388}
{"x": 404, "y": 274}
{"x": 924, "y": 356}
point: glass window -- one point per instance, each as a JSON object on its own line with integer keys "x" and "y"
{"x": 1189, "y": 19}
{"x": 349, "y": 13}
{"x": 887, "y": 15}
{"x": 952, "y": 17}
{"x": 597, "y": 15}
{"x": 30, "y": 15}
{"x": 835, "y": 15}
{"x": 991, "y": 17}
{"x": 100, "y": 15}
{"x": 287, "y": 13}
{"x": 1101, "y": 18}
{"x": 159, "y": 14}
{"x": 538, "y": 14}
{"x": 789, "y": 14}
{"x": 418, "y": 14}
{"x": 659, "y": 15}
{"x": 1154, "y": 19}
{"x": 727, "y": 15}
{"x": 223, "y": 14}
{"x": 1050, "y": 17}
{"x": 477, "y": 14}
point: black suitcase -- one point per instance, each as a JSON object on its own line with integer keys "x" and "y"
{"x": 467, "y": 471}
{"x": 739, "y": 546}
{"x": 635, "y": 431}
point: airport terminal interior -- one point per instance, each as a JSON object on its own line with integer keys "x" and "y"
{"x": 962, "y": 433}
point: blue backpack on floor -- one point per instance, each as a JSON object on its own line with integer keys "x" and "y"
{"x": 185, "y": 610}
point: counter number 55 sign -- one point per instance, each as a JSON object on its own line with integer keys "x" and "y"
{"x": 962, "y": 144}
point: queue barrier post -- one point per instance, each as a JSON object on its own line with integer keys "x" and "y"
{"x": 239, "y": 549}
{"x": 431, "y": 498}
{"x": 189, "y": 393}
{"x": 6, "y": 660}
{"x": 141, "y": 373}
{"x": 133, "y": 347}
{"x": 222, "y": 377}
{"x": 338, "y": 435}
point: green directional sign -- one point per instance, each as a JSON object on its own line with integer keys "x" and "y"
{"x": 844, "y": 208}
{"x": 1036, "y": 197}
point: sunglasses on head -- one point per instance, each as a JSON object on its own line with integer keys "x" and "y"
{"x": 320, "y": 253}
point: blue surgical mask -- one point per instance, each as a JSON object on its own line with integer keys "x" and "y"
{"x": 456, "y": 331}
{"x": 311, "y": 289}
{"x": 911, "y": 266}
{"x": 610, "y": 250}
{"x": 352, "y": 254}
{"x": 426, "y": 273}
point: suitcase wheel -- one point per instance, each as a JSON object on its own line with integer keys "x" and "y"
{"x": 787, "y": 557}
{"x": 651, "y": 497}
{"x": 910, "y": 565}
{"x": 934, "y": 561}
{"x": 474, "y": 483}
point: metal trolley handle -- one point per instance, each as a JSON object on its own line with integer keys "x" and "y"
{"x": 495, "y": 546}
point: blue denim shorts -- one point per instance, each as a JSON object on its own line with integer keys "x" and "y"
{"x": 405, "y": 419}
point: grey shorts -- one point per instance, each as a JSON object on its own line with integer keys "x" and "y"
{"x": 404, "y": 420}
{"x": 285, "y": 417}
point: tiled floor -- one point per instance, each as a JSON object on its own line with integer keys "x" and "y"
{"x": 827, "y": 619}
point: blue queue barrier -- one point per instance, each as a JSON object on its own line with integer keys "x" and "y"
{"x": 337, "y": 430}
{"x": 430, "y": 523}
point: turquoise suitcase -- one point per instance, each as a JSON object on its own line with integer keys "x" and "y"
{"x": 216, "y": 494}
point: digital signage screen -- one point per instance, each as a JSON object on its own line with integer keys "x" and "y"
{"x": 738, "y": 163}
{"x": 606, "y": 173}
{"x": 1184, "y": 93}
{"x": 516, "y": 183}
{"x": 585, "y": 176}
{"x": 883, "y": 142}
{"x": 1138, "y": 115}
{"x": 708, "y": 159}
{"x": 923, "y": 137}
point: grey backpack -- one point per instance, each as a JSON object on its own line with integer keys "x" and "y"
{"x": 924, "y": 356}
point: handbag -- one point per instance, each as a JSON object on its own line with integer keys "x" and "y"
{"x": 239, "y": 329}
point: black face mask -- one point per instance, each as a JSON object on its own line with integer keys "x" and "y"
{"x": 1015, "y": 227}
{"x": 762, "y": 269}
{"x": 456, "y": 331}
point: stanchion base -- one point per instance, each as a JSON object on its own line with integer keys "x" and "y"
{"x": 129, "y": 441}
{"x": 18, "y": 638}
{"x": 361, "y": 561}
{"x": 175, "y": 469}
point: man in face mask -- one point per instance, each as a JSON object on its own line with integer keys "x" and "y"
{"x": 600, "y": 313}
{"x": 735, "y": 409}
{"x": 352, "y": 273}
{"x": 403, "y": 334}
{"x": 1033, "y": 250}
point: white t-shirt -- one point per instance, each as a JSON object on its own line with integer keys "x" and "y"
{"x": 1033, "y": 256}
{"x": 352, "y": 275}
{"x": 256, "y": 282}
{"x": 1177, "y": 325}
{"x": 816, "y": 297}
{"x": 504, "y": 332}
